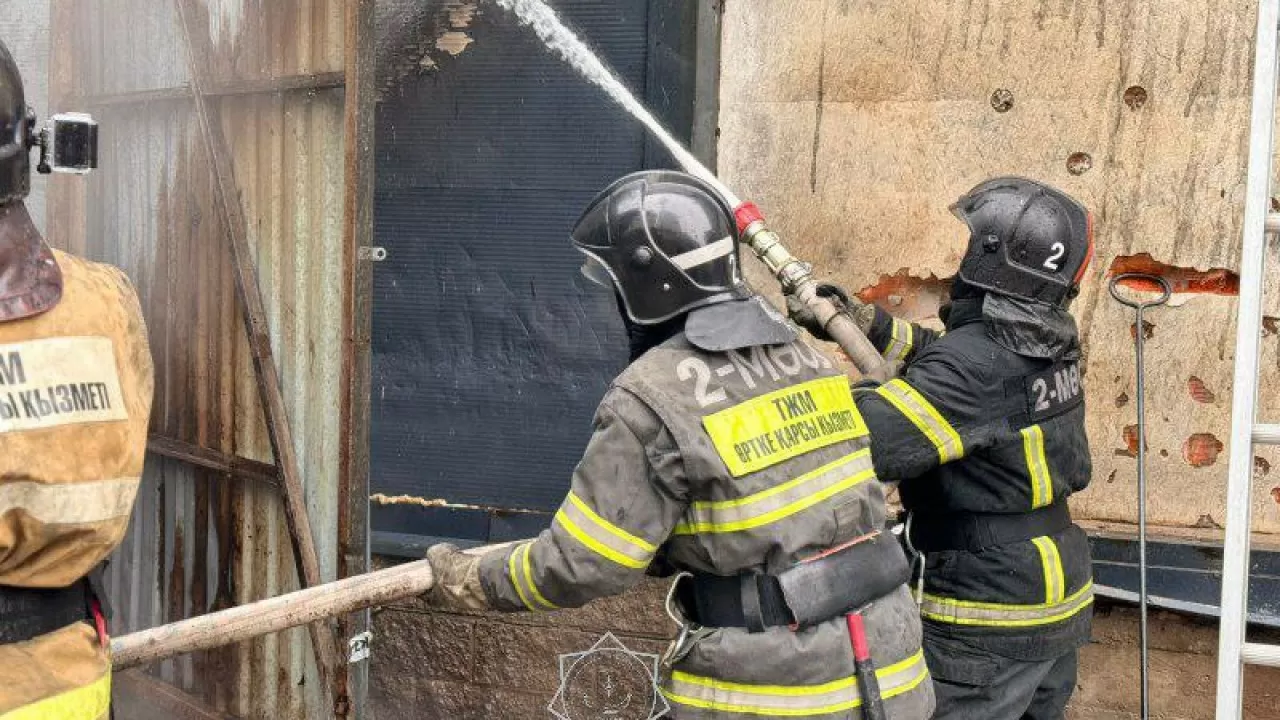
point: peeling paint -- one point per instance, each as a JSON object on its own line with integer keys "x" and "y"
{"x": 383, "y": 499}
{"x": 1275, "y": 494}
{"x": 1207, "y": 521}
{"x": 1122, "y": 399}
{"x": 1199, "y": 391}
{"x": 911, "y": 297}
{"x": 414, "y": 37}
{"x": 1135, "y": 97}
{"x": 1270, "y": 325}
{"x": 1201, "y": 449}
{"x": 1148, "y": 330}
{"x": 461, "y": 13}
{"x": 1261, "y": 467}
{"x": 1215, "y": 281}
{"x": 1130, "y": 435}
{"x": 453, "y": 42}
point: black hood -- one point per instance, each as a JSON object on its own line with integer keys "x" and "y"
{"x": 1031, "y": 328}
{"x": 1026, "y": 327}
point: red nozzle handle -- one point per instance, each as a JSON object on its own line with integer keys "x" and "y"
{"x": 747, "y": 213}
{"x": 858, "y": 634}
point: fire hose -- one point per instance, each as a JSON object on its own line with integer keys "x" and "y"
{"x": 251, "y": 620}
{"x": 796, "y": 278}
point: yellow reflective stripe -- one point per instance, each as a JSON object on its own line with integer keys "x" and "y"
{"x": 71, "y": 503}
{"x": 83, "y": 703}
{"x": 963, "y": 612}
{"x": 924, "y": 416}
{"x": 603, "y": 537}
{"x": 780, "y": 501}
{"x": 796, "y": 700}
{"x": 515, "y": 576}
{"x": 1037, "y": 466}
{"x": 1051, "y": 561}
{"x": 528, "y": 578}
{"x": 900, "y": 341}
{"x": 610, "y": 528}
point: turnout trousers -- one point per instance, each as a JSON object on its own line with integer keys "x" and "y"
{"x": 970, "y": 684}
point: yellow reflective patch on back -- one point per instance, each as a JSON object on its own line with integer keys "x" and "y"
{"x": 769, "y": 429}
{"x": 59, "y": 381}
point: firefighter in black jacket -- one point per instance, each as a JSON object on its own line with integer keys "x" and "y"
{"x": 984, "y": 430}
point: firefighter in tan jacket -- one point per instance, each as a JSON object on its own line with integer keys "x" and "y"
{"x": 75, "y": 395}
{"x": 731, "y": 452}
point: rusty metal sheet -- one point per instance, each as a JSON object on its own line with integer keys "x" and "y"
{"x": 201, "y": 540}
{"x": 856, "y": 123}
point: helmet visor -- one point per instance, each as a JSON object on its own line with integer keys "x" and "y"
{"x": 593, "y": 270}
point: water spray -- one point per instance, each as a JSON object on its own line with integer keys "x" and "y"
{"x": 796, "y": 277}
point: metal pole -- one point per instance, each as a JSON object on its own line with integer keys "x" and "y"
{"x": 1235, "y": 564}
{"x": 1144, "y": 647}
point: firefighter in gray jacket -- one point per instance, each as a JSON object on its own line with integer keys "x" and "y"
{"x": 984, "y": 429}
{"x": 733, "y": 453}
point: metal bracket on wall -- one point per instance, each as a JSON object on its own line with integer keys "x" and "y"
{"x": 374, "y": 253}
{"x": 227, "y": 198}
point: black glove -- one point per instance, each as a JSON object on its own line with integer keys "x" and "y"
{"x": 860, "y": 313}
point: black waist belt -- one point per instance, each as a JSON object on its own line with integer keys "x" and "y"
{"x": 744, "y": 601}
{"x": 935, "y": 532}
{"x": 827, "y": 585}
{"x": 26, "y": 613}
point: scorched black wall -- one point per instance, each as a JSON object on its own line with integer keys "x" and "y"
{"x": 490, "y": 351}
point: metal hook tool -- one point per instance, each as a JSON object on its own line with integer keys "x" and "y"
{"x": 1165, "y": 292}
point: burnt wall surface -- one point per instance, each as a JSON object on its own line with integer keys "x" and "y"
{"x": 854, "y": 125}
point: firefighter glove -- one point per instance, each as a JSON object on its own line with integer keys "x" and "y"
{"x": 457, "y": 579}
{"x": 860, "y": 313}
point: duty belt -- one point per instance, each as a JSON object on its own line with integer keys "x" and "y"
{"x": 972, "y": 532}
{"x": 826, "y": 585}
{"x": 27, "y": 613}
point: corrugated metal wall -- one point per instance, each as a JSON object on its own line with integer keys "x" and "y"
{"x": 200, "y": 539}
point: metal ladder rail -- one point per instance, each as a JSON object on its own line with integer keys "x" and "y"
{"x": 1259, "y": 225}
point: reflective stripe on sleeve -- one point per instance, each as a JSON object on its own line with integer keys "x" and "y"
{"x": 520, "y": 572}
{"x": 963, "y": 612}
{"x": 1037, "y": 466}
{"x": 900, "y": 341}
{"x": 71, "y": 503}
{"x": 83, "y": 703}
{"x": 603, "y": 537}
{"x": 780, "y": 501}
{"x": 924, "y": 416}
{"x": 1051, "y": 561}
{"x": 792, "y": 700}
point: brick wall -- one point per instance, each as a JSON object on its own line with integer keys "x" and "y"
{"x": 430, "y": 664}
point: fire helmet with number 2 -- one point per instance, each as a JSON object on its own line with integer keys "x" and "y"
{"x": 1026, "y": 240}
{"x": 666, "y": 241}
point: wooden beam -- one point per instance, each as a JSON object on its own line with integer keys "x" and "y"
{"x": 234, "y": 465}
{"x": 227, "y": 199}
{"x": 356, "y": 390}
{"x": 256, "y": 86}
{"x": 139, "y": 696}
